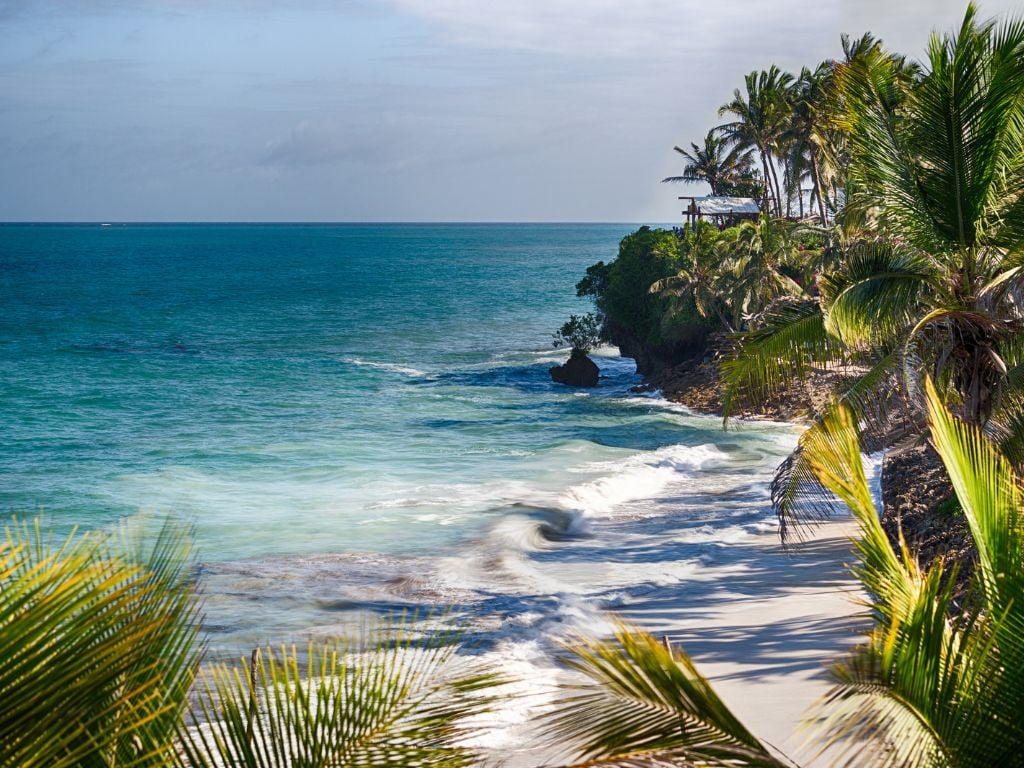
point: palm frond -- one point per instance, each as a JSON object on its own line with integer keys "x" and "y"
{"x": 649, "y": 706}
{"x": 97, "y": 647}
{"x": 923, "y": 690}
{"x": 799, "y": 500}
{"x": 374, "y": 700}
{"x": 792, "y": 337}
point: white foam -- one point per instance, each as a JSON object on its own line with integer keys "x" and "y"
{"x": 639, "y": 477}
{"x": 393, "y": 367}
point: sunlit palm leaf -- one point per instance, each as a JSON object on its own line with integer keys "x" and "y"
{"x": 97, "y": 648}
{"x": 649, "y": 706}
{"x": 924, "y": 691}
{"x": 369, "y": 701}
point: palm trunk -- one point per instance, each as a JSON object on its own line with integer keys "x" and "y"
{"x": 768, "y": 194}
{"x": 778, "y": 191}
{"x": 816, "y": 180}
{"x": 787, "y": 184}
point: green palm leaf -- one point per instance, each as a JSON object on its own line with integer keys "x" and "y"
{"x": 97, "y": 648}
{"x": 374, "y": 700}
{"x": 792, "y": 337}
{"x": 923, "y": 690}
{"x": 649, "y": 706}
{"x": 873, "y": 297}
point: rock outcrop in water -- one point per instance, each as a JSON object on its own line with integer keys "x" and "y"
{"x": 578, "y": 371}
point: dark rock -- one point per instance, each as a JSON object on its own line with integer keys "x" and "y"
{"x": 578, "y": 371}
{"x": 921, "y": 507}
{"x": 653, "y": 359}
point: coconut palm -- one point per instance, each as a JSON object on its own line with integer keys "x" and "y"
{"x": 922, "y": 691}
{"x": 937, "y": 165}
{"x": 809, "y": 135}
{"x": 942, "y": 178}
{"x": 760, "y": 114}
{"x": 704, "y": 276}
{"x": 762, "y": 263}
{"x": 721, "y": 166}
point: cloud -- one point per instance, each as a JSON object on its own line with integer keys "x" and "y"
{"x": 647, "y": 28}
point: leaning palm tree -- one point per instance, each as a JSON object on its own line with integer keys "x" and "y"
{"x": 721, "y": 166}
{"x": 922, "y": 691}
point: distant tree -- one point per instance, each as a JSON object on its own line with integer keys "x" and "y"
{"x": 760, "y": 114}
{"x": 581, "y": 333}
{"x": 723, "y": 167}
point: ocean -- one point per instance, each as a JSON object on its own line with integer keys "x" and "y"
{"x": 358, "y": 419}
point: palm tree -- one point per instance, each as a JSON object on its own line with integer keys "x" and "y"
{"x": 923, "y": 690}
{"x": 934, "y": 282}
{"x": 941, "y": 176}
{"x": 721, "y": 166}
{"x": 760, "y": 114}
{"x": 761, "y": 257}
{"x": 808, "y": 134}
{"x": 704, "y": 277}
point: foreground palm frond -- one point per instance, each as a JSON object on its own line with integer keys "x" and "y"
{"x": 371, "y": 701}
{"x": 790, "y": 339}
{"x": 924, "y": 691}
{"x": 649, "y": 706}
{"x": 97, "y": 648}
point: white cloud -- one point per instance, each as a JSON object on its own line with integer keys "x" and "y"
{"x": 611, "y": 27}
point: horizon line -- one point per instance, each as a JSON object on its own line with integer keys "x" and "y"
{"x": 113, "y": 222}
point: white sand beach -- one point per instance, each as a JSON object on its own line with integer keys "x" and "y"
{"x": 762, "y": 624}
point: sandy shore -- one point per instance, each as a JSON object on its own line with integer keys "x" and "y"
{"x": 762, "y": 623}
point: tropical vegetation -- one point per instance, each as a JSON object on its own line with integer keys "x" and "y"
{"x": 890, "y": 244}
{"x": 902, "y": 263}
{"x": 101, "y": 665}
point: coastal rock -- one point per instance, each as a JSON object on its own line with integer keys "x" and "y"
{"x": 653, "y": 359}
{"x": 578, "y": 371}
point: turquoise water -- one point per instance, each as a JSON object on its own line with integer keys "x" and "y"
{"x": 353, "y": 416}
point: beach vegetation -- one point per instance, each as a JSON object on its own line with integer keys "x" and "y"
{"x": 98, "y": 646}
{"x": 652, "y": 326}
{"x": 890, "y": 247}
{"x": 101, "y": 666}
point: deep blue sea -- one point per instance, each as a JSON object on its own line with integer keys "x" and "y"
{"x": 355, "y": 418}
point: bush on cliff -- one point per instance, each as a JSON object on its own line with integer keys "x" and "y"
{"x": 638, "y": 322}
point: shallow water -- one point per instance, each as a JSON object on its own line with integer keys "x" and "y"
{"x": 357, "y": 418}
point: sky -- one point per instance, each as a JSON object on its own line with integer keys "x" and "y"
{"x": 390, "y": 110}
